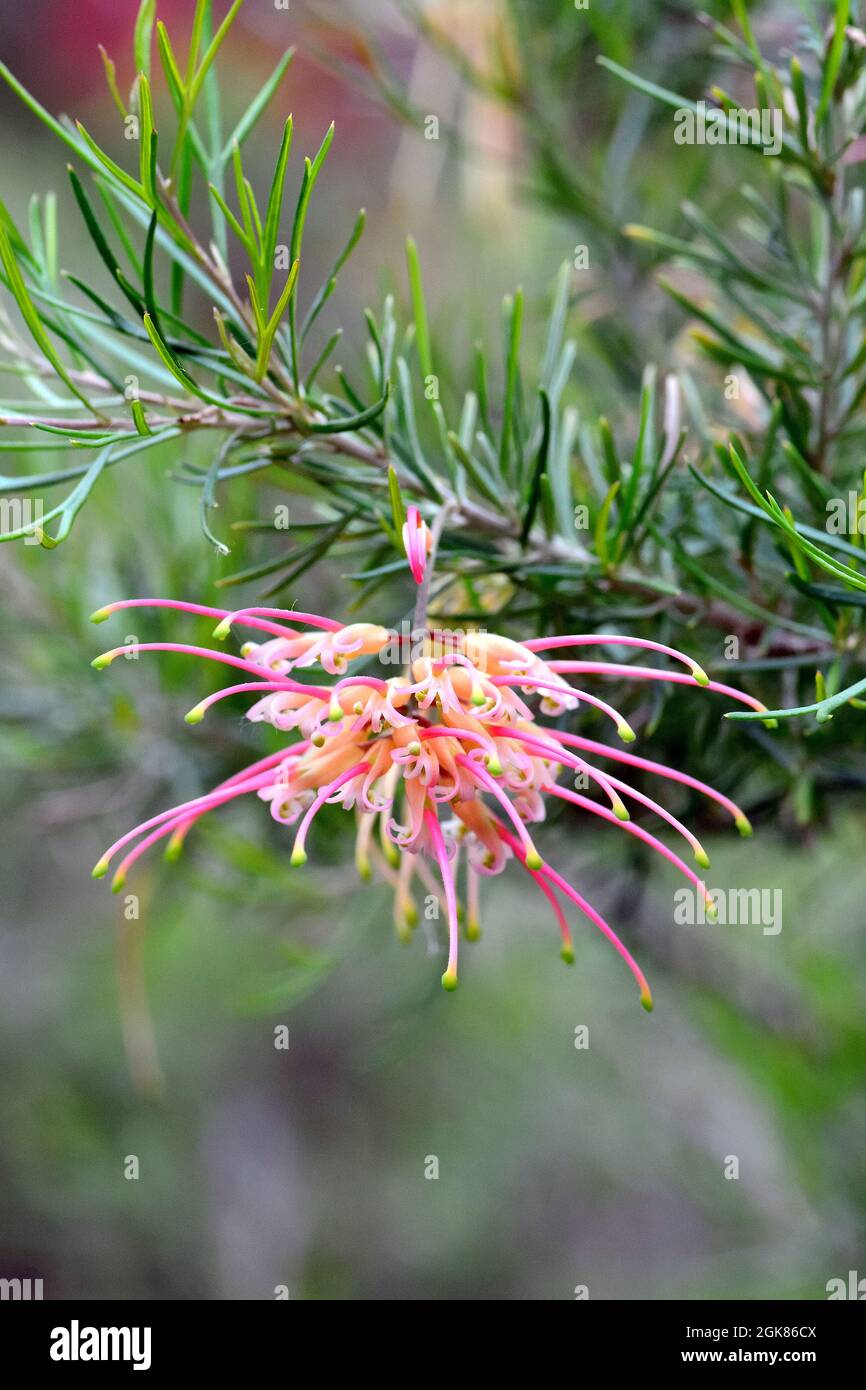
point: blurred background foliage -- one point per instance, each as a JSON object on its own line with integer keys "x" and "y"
{"x": 155, "y": 1036}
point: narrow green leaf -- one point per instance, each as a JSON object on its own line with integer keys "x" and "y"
{"x": 212, "y": 50}
{"x": 398, "y": 511}
{"x": 111, "y": 81}
{"x": 600, "y": 529}
{"x": 267, "y": 337}
{"x": 312, "y": 170}
{"x": 476, "y": 471}
{"x": 798, "y": 87}
{"x": 144, "y": 35}
{"x": 118, "y": 174}
{"x": 514, "y": 321}
{"x": 350, "y": 423}
{"x": 48, "y": 120}
{"x": 257, "y": 107}
{"x": 419, "y": 309}
{"x": 330, "y": 284}
{"x": 198, "y": 21}
{"x": 31, "y": 316}
{"x": 822, "y": 709}
{"x": 539, "y": 470}
{"x": 138, "y": 416}
{"x": 832, "y": 63}
{"x": 146, "y": 140}
{"x": 233, "y": 222}
{"x": 175, "y": 82}
{"x": 273, "y": 214}
{"x": 323, "y": 357}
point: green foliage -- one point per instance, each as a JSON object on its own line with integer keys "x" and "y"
{"x": 556, "y": 517}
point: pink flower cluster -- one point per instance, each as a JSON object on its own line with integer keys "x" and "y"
{"x": 444, "y": 764}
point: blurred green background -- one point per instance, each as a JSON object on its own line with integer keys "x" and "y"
{"x": 155, "y": 1036}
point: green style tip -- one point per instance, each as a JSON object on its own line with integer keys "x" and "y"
{"x": 173, "y": 850}
{"x": 712, "y": 912}
{"x": 626, "y": 732}
{"x": 335, "y": 714}
{"x": 411, "y": 916}
{"x": 700, "y": 675}
{"x": 647, "y": 1002}
{"x": 449, "y": 981}
{"x": 770, "y": 723}
{"x": 99, "y": 663}
{"x": 567, "y": 954}
{"x": 100, "y": 615}
{"x": 298, "y": 858}
{"x": 194, "y": 716}
{"x": 620, "y": 810}
{"x": 118, "y": 882}
{"x": 222, "y": 630}
{"x": 744, "y": 825}
{"x": 534, "y": 860}
{"x": 473, "y": 930}
{"x": 99, "y": 870}
{"x": 702, "y": 857}
{"x": 494, "y": 767}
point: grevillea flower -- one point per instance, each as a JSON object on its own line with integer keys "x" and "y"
{"x": 445, "y": 764}
{"x": 417, "y": 542}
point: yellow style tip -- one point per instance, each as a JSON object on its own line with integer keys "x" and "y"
{"x": 222, "y": 630}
